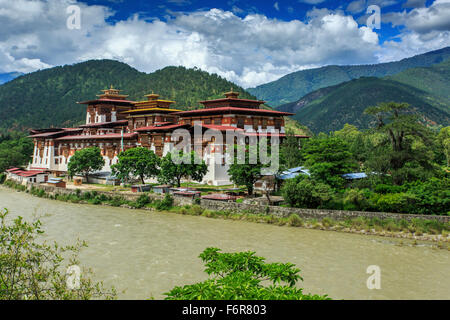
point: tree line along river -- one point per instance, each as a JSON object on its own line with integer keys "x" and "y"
{"x": 147, "y": 253}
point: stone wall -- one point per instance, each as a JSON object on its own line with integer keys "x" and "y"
{"x": 254, "y": 208}
{"x": 178, "y": 201}
{"x": 310, "y": 213}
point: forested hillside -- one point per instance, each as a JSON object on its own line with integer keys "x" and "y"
{"x": 328, "y": 109}
{"x": 48, "y": 98}
{"x": 294, "y": 86}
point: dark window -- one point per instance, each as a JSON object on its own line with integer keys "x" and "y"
{"x": 278, "y": 124}
{"x": 217, "y": 121}
{"x": 207, "y": 121}
{"x": 240, "y": 123}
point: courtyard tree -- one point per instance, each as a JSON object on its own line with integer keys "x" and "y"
{"x": 243, "y": 171}
{"x": 243, "y": 276}
{"x": 138, "y": 162}
{"x": 86, "y": 161}
{"x": 189, "y": 166}
{"x": 31, "y": 269}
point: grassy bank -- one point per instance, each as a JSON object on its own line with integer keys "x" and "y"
{"x": 417, "y": 229}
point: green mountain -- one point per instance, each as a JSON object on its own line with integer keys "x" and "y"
{"x": 48, "y": 97}
{"x": 296, "y": 85}
{"x": 328, "y": 109}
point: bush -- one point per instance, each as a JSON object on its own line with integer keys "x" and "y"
{"x": 396, "y": 202}
{"x": 116, "y": 201}
{"x": 2, "y": 178}
{"x": 142, "y": 201}
{"x": 305, "y": 192}
{"x": 166, "y": 203}
{"x": 196, "y": 210}
{"x": 295, "y": 221}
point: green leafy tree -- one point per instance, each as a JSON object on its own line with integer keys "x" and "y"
{"x": 86, "y": 161}
{"x": 290, "y": 154}
{"x": 327, "y": 158}
{"x": 189, "y": 166}
{"x": 305, "y": 192}
{"x": 443, "y": 139}
{"x": 31, "y": 269}
{"x": 15, "y": 150}
{"x": 242, "y": 171}
{"x": 404, "y": 147}
{"x": 139, "y": 162}
{"x": 243, "y": 276}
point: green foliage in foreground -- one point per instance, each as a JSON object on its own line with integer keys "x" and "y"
{"x": 240, "y": 276}
{"x": 32, "y": 270}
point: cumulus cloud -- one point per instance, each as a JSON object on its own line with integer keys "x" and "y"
{"x": 424, "y": 20}
{"x": 249, "y": 50}
{"x": 425, "y": 29}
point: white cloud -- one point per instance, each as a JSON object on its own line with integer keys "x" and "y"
{"x": 424, "y": 20}
{"x": 248, "y": 50}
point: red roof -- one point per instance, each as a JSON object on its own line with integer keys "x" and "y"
{"x": 12, "y": 169}
{"x": 233, "y": 109}
{"x": 219, "y": 196}
{"x": 234, "y": 99}
{"x": 219, "y": 127}
{"x": 106, "y": 100}
{"x": 269, "y": 134}
{"x": 27, "y": 173}
{"x": 30, "y": 173}
{"x": 100, "y": 136}
{"x": 100, "y": 124}
{"x": 155, "y": 128}
{"x": 53, "y": 133}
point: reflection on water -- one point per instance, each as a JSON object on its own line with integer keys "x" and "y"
{"x": 148, "y": 253}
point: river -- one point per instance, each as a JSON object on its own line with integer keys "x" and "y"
{"x": 147, "y": 253}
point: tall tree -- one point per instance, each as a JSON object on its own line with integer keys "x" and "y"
{"x": 290, "y": 154}
{"x": 86, "y": 161}
{"x": 190, "y": 166}
{"x": 405, "y": 143}
{"x": 327, "y": 158}
{"x": 139, "y": 162}
{"x": 243, "y": 171}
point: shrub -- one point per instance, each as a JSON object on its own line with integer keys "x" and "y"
{"x": 142, "y": 201}
{"x": 327, "y": 222}
{"x": 305, "y": 192}
{"x": 166, "y": 203}
{"x": 196, "y": 210}
{"x": 2, "y": 178}
{"x": 116, "y": 201}
{"x": 397, "y": 202}
{"x": 295, "y": 221}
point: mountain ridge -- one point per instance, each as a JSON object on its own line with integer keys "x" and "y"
{"x": 328, "y": 109}
{"x": 296, "y": 85}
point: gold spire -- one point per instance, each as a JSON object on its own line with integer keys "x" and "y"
{"x": 231, "y": 94}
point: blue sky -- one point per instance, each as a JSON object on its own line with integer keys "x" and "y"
{"x": 248, "y": 42}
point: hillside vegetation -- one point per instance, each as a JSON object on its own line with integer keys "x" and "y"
{"x": 328, "y": 109}
{"x": 294, "y": 86}
{"x": 48, "y": 97}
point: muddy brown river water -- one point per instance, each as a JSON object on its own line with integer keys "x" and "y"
{"x": 147, "y": 253}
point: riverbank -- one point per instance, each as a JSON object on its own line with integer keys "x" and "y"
{"x": 413, "y": 229}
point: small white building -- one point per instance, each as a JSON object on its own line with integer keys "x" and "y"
{"x": 26, "y": 176}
